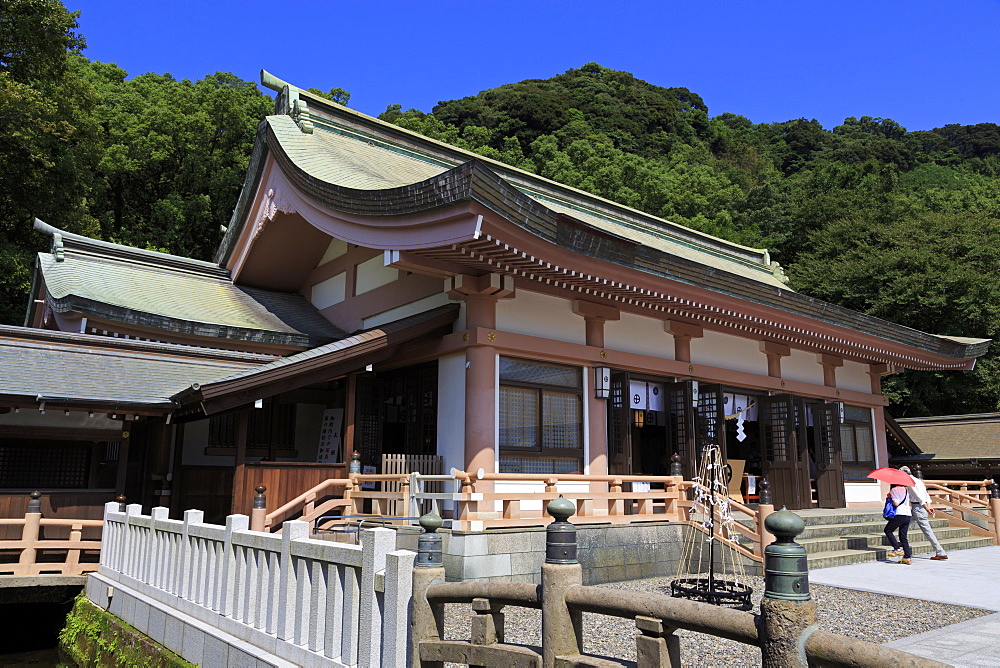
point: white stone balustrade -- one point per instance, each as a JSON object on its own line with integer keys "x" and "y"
{"x": 282, "y": 599}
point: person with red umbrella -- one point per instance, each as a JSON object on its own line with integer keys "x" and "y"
{"x": 899, "y": 499}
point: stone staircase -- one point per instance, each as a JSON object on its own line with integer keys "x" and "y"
{"x": 851, "y": 536}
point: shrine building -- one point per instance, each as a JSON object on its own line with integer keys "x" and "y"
{"x": 379, "y": 291}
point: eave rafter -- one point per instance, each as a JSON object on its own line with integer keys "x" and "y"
{"x": 492, "y": 254}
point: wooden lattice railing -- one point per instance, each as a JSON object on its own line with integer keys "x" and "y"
{"x": 33, "y": 554}
{"x": 962, "y": 500}
{"x": 599, "y": 499}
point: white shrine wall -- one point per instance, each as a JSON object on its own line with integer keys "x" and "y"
{"x": 540, "y": 315}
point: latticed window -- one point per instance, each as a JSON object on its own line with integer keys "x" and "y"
{"x": 857, "y": 442}
{"x": 272, "y": 425}
{"x": 44, "y": 466}
{"x": 541, "y": 417}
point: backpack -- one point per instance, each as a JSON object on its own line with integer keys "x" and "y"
{"x": 890, "y": 508}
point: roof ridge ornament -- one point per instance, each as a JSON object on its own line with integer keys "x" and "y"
{"x": 778, "y": 272}
{"x": 57, "y": 249}
{"x": 288, "y": 103}
{"x": 302, "y": 117}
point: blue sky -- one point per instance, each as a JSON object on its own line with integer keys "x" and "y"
{"x": 923, "y": 64}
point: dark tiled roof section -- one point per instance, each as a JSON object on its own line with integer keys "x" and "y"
{"x": 245, "y": 201}
{"x": 956, "y": 436}
{"x": 316, "y": 359}
{"x": 75, "y": 369}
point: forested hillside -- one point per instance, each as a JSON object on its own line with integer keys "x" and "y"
{"x": 902, "y": 225}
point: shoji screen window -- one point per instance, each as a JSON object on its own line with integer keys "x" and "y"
{"x": 541, "y": 417}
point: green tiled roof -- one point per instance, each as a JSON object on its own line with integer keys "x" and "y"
{"x": 358, "y": 165}
{"x": 76, "y": 369}
{"x": 362, "y": 160}
{"x": 144, "y": 288}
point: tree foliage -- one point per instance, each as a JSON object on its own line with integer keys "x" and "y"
{"x": 149, "y": 161}
{"x": 901, "y": 225}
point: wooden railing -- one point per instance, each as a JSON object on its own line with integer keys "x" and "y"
{"x": 964, "y": 499}
{"x": 626, "y": 501}
{"x": 33, "y": 554}
{"x": 977, "y": 489}
{"x": 599, "y": 499}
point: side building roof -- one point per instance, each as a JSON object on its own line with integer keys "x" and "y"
{"x": 962, "y": 437}
{"x": 170, "y": 293}
{"x": 69, "y": 370}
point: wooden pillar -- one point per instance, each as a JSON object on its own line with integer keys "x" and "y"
{"x": 240, "y": 488}
{"x": 480, "y": 408}
{"x": 175, "y": 470}
{"x": 830, "y": 364}
{"x": 123, "y": 455}
{"x": 157, "y": 437}
{"x": 875, "y": 372}
{"x": 774, "y": 352}
{"x": 594, "y": 316}
{"x": 480, "y": 294}
{"x": 683, "y": 332}
{"x": 350, "y": 401}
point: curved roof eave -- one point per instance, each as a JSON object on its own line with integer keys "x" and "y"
{"x": 90, "y": 308}
{"x": 474, "y": 181}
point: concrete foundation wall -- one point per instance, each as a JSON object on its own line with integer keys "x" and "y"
{"x": 607, "y": 552}
{"x": 193, "y": 639}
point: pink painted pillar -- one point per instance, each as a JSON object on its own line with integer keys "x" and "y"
{"x": 597, "y": 409}
{"x": 480, "y": 409}
{"x": 480, "y": 294}
{"x": 480, "y": 387}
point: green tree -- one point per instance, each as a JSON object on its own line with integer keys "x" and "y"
{"x": 174, "y": 156}
{"x": 934, "y": 272}
{"x": 48, "y": 149}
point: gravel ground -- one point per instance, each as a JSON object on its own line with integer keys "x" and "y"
{"x": 852, "y": 613}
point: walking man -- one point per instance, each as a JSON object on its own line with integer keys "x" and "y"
{"x": 920, "y": 503}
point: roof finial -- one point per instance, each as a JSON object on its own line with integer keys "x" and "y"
{"x": 268, "y": 80}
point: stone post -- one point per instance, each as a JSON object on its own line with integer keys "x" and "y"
{"x": 487, "y": 623}
{"x": 562, "y": 628}
{"x": 787, "y": 613}
{"x": 427, "y": 622}
{"x": 29, "y": 534}
{"x": 656, "y": 644}
{"x": 258, "y": 514}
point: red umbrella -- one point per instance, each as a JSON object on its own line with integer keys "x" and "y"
{"x": 893, "y": 477}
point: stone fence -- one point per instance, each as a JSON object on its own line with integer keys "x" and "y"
{"x": 225, "y": 595}
{"x": 785, "y": 630}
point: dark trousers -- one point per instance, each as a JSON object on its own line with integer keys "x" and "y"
{"x": 901, "y": 522}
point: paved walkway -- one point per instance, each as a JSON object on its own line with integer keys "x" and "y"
{"x": 969, "y": 577}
